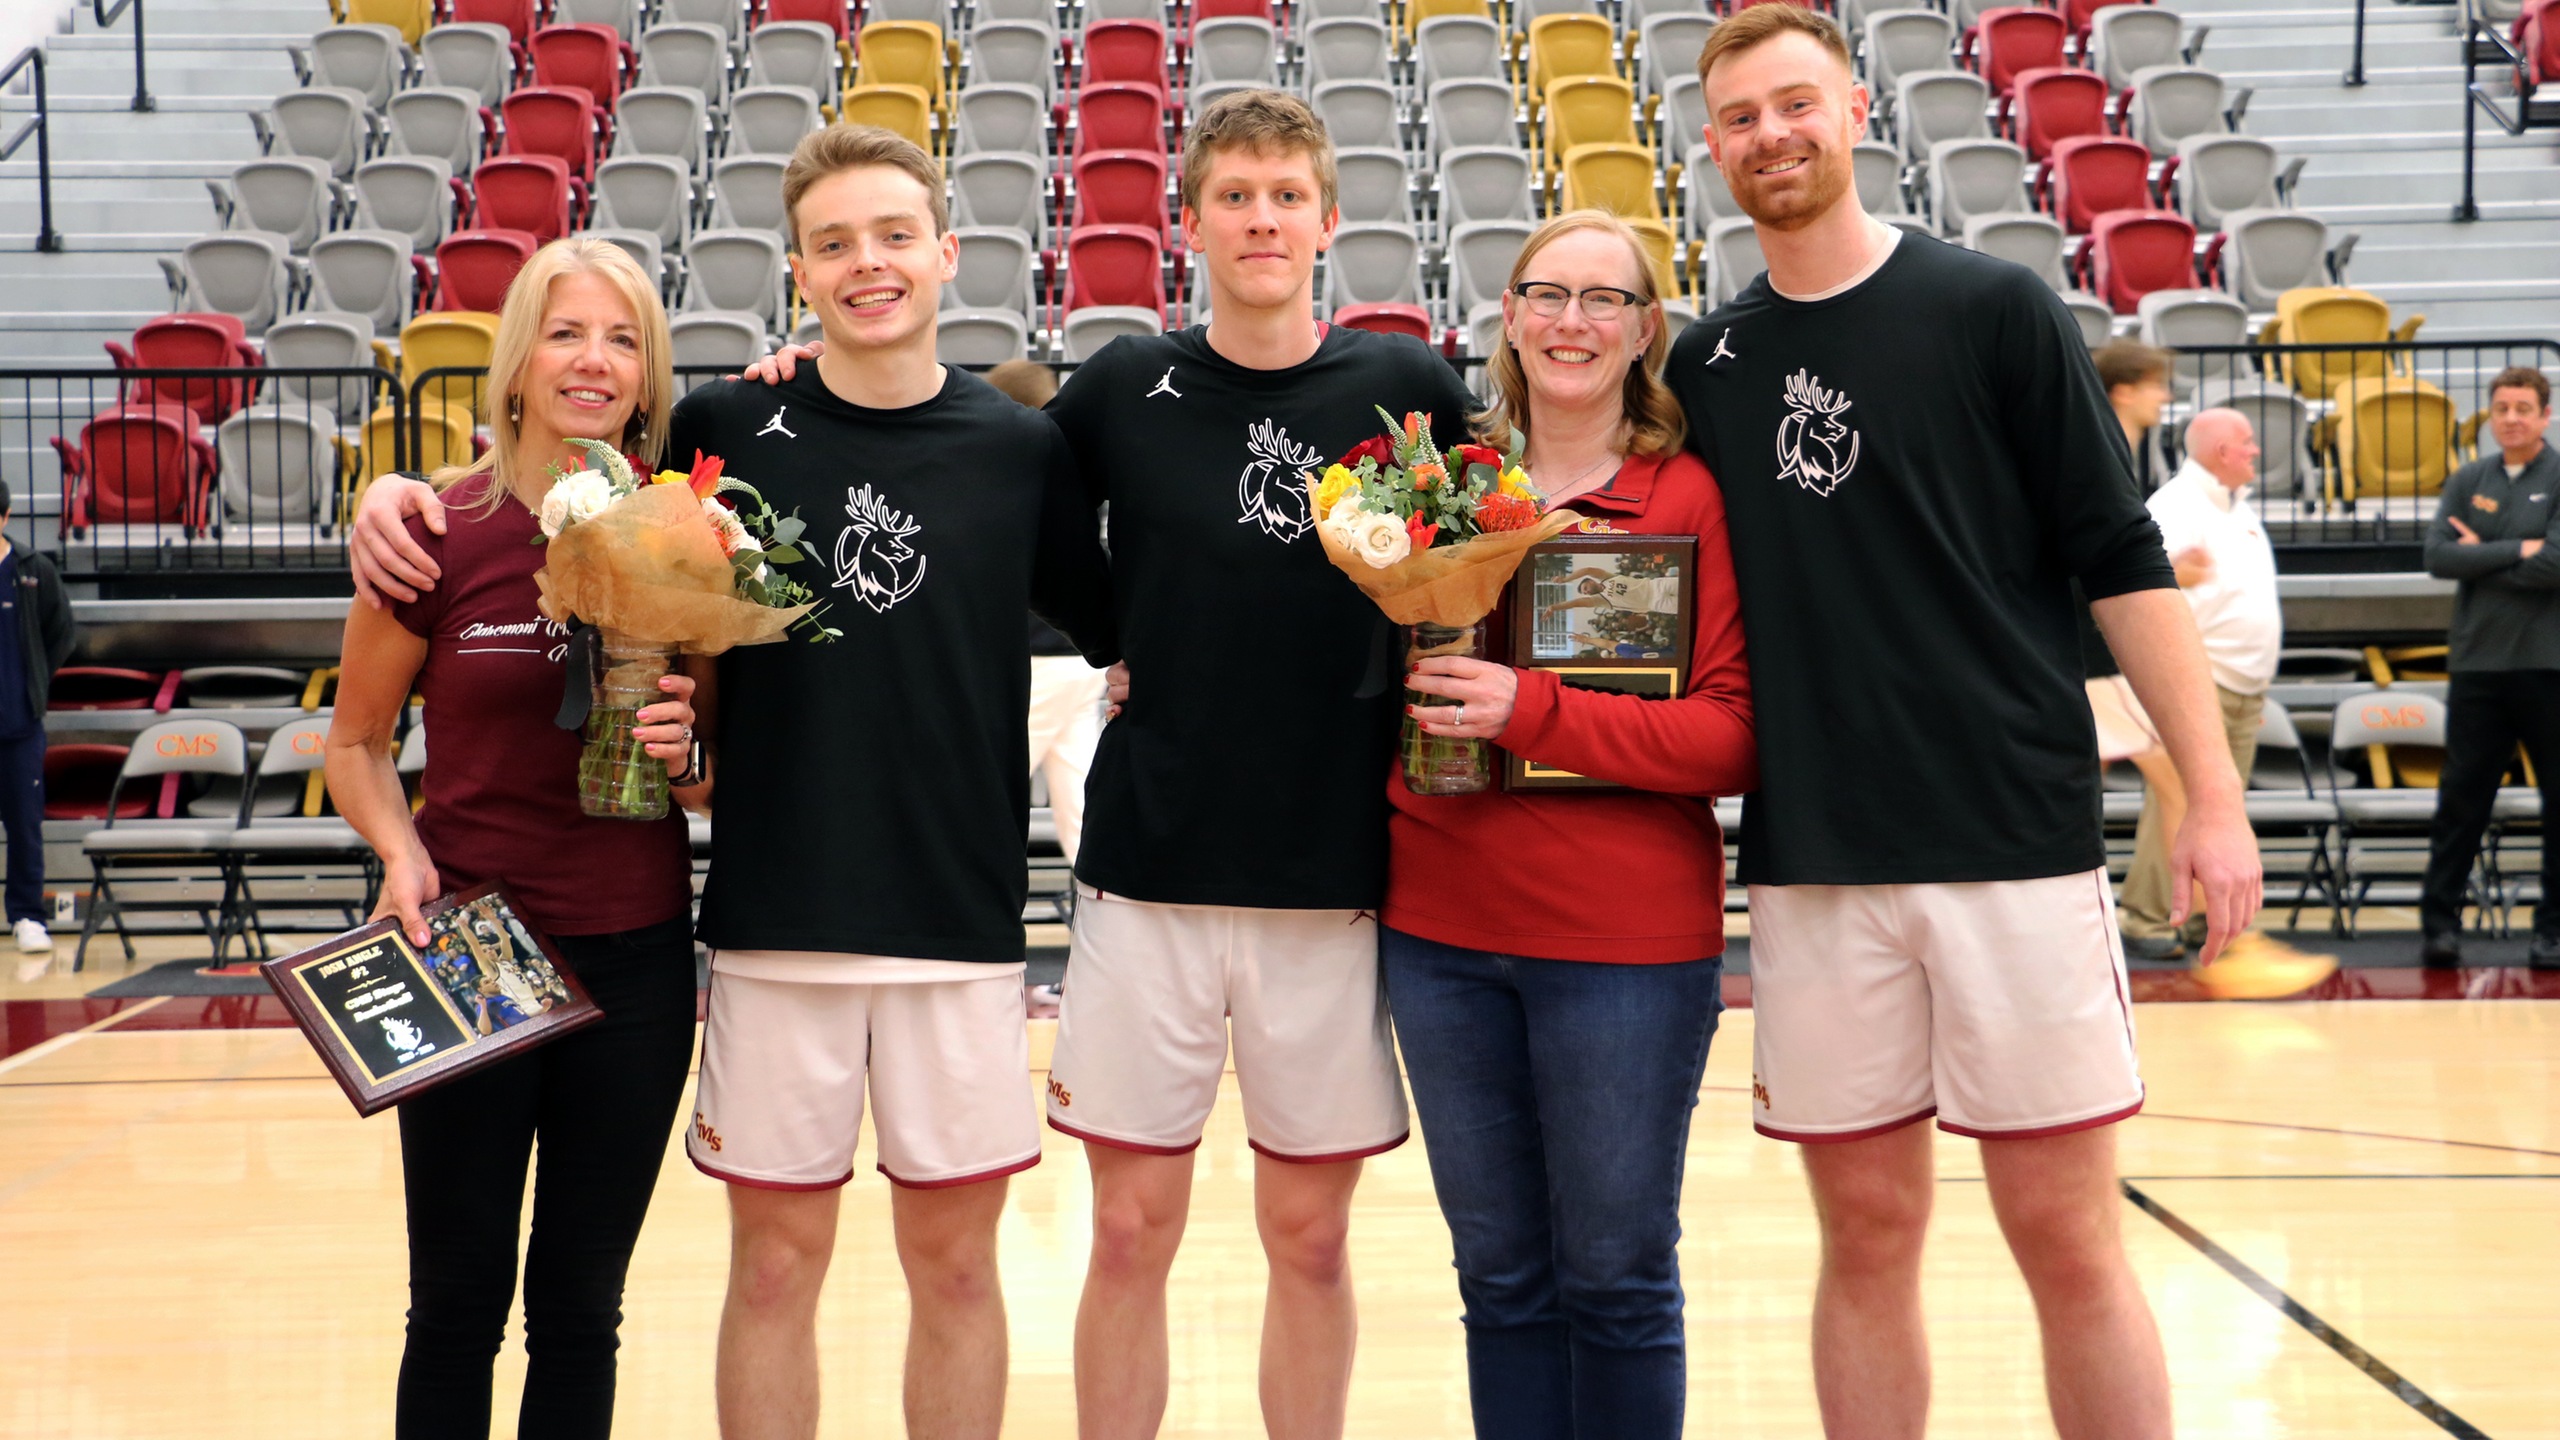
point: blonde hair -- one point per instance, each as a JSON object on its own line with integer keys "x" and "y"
{"x": 1751, "y": 26}
{"x": 1654, "y": 425}
{"x": 520, "y": 324}
{"x": 1260, "y": 122}
{"x": 841, "y": 147}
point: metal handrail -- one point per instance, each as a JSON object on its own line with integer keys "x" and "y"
{"x": 2355, "y": 67}
{"x": 46, "y": 240}
{"x": 107, "y": 16}
{"x": 2476, "y": 98}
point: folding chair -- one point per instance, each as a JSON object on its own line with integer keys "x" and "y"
{"x": 2382, "y": 826}
{"x": 299, "y": 838}
{"x": 164, "y": 848}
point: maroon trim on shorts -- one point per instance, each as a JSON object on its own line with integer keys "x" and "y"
{"x": 1842, "y": 1137}
{"x": 998, "y": 1173}
{"x": 788, "y": 1186}
{"x": 1090, "y": 1138}
{"x": 2041, "y": 1131}
{"x": 1338, "y": 1157}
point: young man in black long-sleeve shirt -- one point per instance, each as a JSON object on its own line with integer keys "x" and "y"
{"x": 1917, "y": 461}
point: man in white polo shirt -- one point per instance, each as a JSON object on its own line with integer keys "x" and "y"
{"x": 2227, "y": 570}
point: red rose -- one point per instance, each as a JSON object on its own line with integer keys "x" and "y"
{"x": 1374, "y": 448}
{"x": 1421, "y": 534}
{"x": 1477, "y": 455}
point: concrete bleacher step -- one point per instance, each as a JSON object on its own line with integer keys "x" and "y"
{"x": 183, "y": 74}
{"x": 175, "y": 19}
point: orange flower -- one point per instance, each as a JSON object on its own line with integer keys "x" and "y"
{"x": 1505, "y": 512}
{"x": 705, "y": 478}
{"x": 1426, "y": 475}
{"x": 1413, "y": 427}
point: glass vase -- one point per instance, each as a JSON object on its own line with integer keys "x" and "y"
{"x": 617, "y": 778}
{"x": 1441, "y": 764}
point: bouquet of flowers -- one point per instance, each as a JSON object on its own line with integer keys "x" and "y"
{"x": 1432, "y": 537}
{"x": 643, "y": 568}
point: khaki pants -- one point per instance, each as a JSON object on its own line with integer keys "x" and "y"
{"x": 2144, "y": 903}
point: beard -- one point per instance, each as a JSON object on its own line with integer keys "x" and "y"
{"x": 1792, "y": 203}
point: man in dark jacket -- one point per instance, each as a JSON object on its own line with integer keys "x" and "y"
{"x": 35, "y": 638}
{"x": 2497, "y": 531}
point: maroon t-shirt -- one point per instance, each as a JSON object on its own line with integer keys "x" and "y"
{"x": 501, "y": 784}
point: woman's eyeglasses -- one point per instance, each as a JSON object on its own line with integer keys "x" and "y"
{"x": 1599, "y": 303}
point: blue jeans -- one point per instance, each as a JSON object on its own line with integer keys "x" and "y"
{"x": 1555, "y": 1098}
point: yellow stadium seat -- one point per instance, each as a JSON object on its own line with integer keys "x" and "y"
{"x": 444, "y": 438}
{"x": 903, "y": 52}
{"x": 1417, "y": 11}
{"x": 448, "y": 339}
{"x": 1660, "y": 245}
{"x": 1562, "y": 45}
{"x": 906, "y": 109}
{"x": 1613, "y": 177}
{"x": 410, "y": 17}
{"x": 2388, "y": 438}
{"x": 1587, "y": 110}
{"x": 2334, "y": 315}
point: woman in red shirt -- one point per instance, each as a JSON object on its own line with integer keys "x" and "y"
{"x": 581, "y": 352}
{"x": 1553, "y": 958}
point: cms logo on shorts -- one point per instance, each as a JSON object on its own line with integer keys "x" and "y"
{"x": 1760, "y": 1093}
{"x": 1059, "y": 1093}
{"x": 702, "y": 1131}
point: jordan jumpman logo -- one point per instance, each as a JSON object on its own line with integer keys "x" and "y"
{"x": 1163, "y": 387}
{"x": 775, "y": 424}
{"x": 1721, "y": 352}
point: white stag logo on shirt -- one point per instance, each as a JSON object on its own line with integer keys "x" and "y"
{"x": 1272, "y": 491}
{"x": 1814, "y": 449}
{"x": 873, "y": 558}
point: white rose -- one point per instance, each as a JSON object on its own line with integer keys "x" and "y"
{"x": 1342, "y": 524}
{"x": 555, "y": 511}
{"x": 575, "y": 498}
{"x": 1380, "y": 540}
{"x": 733, "y": 534}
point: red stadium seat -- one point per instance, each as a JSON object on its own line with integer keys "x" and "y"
{"x": 1228, "y": 9}
{"x": 1127, "y": 52}
{"x": 2537, "y": 37}
{"x": 2012, "y": 39}
{"x": 2093, "y": 174}
{"x": 1115, "y": 265}
{"x": 830, "y": 13}
{"x": 137, "y": 465}
{"x": 519, "y": 16}
{"x": 559, "y": 120}
{"x": 188, "y": 341}
{"x": 1410, "y": 320}
{"x": 532, "y": 193}
{"x": 2134, "y": 252}
{"x": 1120, "y": 187}
{"x": 591, "y": 57}
{"x": 79, "y": 778}
{"x": 475, "y": 267}
{"x": 1119, "y": 117}
{"x": 2054, "y": 103}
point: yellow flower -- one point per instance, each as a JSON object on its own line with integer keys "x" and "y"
{"x": 670, "y": 477}
{"x": 1515, "y": 482}
{"x": 1335, "y": 483}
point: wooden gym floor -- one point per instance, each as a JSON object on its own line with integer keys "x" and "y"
{"x": 2343, "y": 1211}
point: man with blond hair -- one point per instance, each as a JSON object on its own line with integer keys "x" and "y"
{"x": 1917, "y": 461}
{"x": 864, "y": 907}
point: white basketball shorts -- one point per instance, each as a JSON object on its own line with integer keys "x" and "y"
{"x": 785, "y": 1063}
{"x": 1153, "y": 994}
{"x": 1999, "y": 1007}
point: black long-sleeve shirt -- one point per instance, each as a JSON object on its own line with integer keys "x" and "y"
{"x": 2506, "y": 611}
{"x": 872, "y": 797}
{"x": 1914, "y": 471}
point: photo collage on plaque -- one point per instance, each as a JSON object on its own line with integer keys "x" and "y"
{"x": 1599, "y": 605}
{"x": 490, "y": 967}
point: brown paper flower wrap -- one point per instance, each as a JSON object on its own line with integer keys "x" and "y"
{"x": 1449, "y": 585}
{"x": 649, "y": 567}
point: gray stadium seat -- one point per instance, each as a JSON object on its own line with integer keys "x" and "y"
{"x": 472, "y": 57}
{"x": 1684, "y": 114}
{"x": 367, "y": 273}
{"x": 1485, "y": 182}
{"x": 2096, "y": 319}
{"x": 1935, "y": 105}
{"x": 286, "y": 195}
{"x": 1040, "y": 12}
{"x": 746, "y": 193}
{"x": 2283, "y": 421}
{"x": 1014, "y": 52}
{"x": 729, "y": 17}
{"x": 668, "y": 120}
{"x": 1974, "y": 177}
{"x": 621, "y": 16}
{"x": 1457, "y": 47}
{"x": 793, "y": 52}
{"x": 1706, "y": 197}
{"x": 980, "y": 337}
{"x": 931, "y": 12}
{"x": 1471, "y": 112}
{"x": 2125, "y": 39}
{"x": 1677, "y": 315}
{"x": 1373, "y": 264}
{"x": 1000, "y": 187}
{"x": 735, "y": 269}
{"x": 2177, "y": 319}
{"x": 694, "y": 56}
{"x": 1010, "y": 118}
{"x": 243, "y": 273}
{"x": 1905, "y": 42}
{"x": 2218, "y": 174}
{"x": 2267, "y": 252}
{"x": 728, "y": 338}
{"x": 1089, "y": 329}
{"x": 1234, "y": 48}
{"x": 412, "y": 194}
{"x": 320, "y": 340}
{"x": 643, "y": 246}
{"x": 2034, "y": 241}
{"x": 1093, "y": 10}
{"x": 1374, "y": 184}
{"x": 1639, "y": 11}
{"x": 1670, "y": 49}
{"x": 441, "y": 122}
{"x": 1733, "y": 260}
{"x": 771, "y": 119}
{"x": 1362, "y": 113}
{"x": 2172, "y": 102}
{"x": 646, "y": 192}
{"x": 372, "y": 60}
{"x": 1359, "y": 49}
{"x": 998, "y": 271}
{"x": 279, "y": 465}
{"x": 328, "y": 123}
{"x": 1480, "y": 255}
{"x": 1877, "y": 169}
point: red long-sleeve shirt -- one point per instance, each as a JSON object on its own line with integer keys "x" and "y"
{"x": 1621, "y": 876}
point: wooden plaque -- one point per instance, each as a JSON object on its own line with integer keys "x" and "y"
{"x": 392, "y": 1021}
{"x": 1602, "y": 612}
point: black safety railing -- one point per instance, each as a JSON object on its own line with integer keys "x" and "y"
{"x": 107, "y": 15}
{"x": 2483, "y": 45}
{"x": 32, "y": 59}
{"x": 204, "y": 472}
{"x": 2355, "y": 64}
{"x": 2355, "y": 440}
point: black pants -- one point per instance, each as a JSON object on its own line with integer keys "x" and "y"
{"x": 22, "y": 820}
{"x": 2488, "y": 712}
{"x": 603, "y": 1102}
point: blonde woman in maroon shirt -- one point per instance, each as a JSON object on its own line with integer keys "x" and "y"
{"x": 581, "y": 353}
{"x": 1553, "y": 959}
